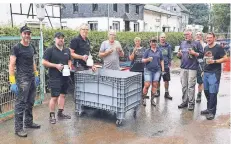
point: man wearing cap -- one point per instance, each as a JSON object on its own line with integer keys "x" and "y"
{"x": 189, "y": 52}
{"x": 55, "y": 58}
{"x": 23, "y": 85}
{"x": 80, "y": 49}
{"x": 110, "y": 51}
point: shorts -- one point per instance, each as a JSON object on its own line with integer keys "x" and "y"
{"x": 58, "y": 87}
{"x": 199, "y": 78}
{"x": 150, "y": 76}
{"x": 167, "y": 76}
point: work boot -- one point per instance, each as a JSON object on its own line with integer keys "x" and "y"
{"x": 21, "y": 133}
{"x": 198, "y": 100}
{"x": 33, "y": 126}
{"x": 183, "y": 105}
{"x": 157, "y": 94}
{"x": 52, "y": 118}
{"x": 204, "y": 112}
{"x": 210, "y": 116}
{"x": 152, "y": 99}
{"x": 190, "y": 107}
{"x": 166, "y": 95}
{"x": 63, "y": 116}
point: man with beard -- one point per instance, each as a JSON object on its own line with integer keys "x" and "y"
{"x": 214, "y": 55}
{"x": 188, "y": 53}
{"x": 166, "y": 50}
{"x": 25, "y": 82}
{"x": 55, "y": 58}
{"x": 80, "y": 49}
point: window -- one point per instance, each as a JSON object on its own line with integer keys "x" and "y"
{"x": 93, "y": 25}
{"x": 157, "y": 20}
{"x": 127, "y": 8}
{"x": 168, "y": 8}
{"x": 136, "y": 27}
{"x": 115, "y": 7}
{"x": 137, "y": 9}
{"x": 174, "y": 9}
{"x": 116, "y": 25}
{"x": 75, "y": 8}
{"x": 94, "y": 7}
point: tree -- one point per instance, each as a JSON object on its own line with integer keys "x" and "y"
{"x": 221, "y": 17}
{"x": 199, "y": 14}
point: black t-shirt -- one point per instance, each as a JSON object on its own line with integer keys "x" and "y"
{"x": 24, "y": 59}
{"x": 81, "y": 47}
{"x": 136, "y": 64}
{"x": 57, "y": 56}
{"x": 217, "y": 53}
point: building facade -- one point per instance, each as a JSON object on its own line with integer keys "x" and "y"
{"x": 102, "y": 17}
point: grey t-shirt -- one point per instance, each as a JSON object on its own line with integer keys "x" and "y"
{"x": 111, "y": 61}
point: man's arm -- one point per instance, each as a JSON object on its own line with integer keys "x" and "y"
{"x": 12, "y": 68}
{"x": 76, "y": 56}
{"x": 105, "y": 53}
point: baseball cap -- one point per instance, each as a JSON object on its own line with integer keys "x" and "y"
{"x": 25, "y": 29}
{"x": 59, "y": 34}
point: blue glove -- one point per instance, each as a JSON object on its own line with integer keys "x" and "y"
{"x": 14, "y": 88}
{"x": 37, "y": 81}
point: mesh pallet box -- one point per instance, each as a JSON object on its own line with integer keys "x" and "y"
{"x": 115, "y": 91}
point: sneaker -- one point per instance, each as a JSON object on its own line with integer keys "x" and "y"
{"x": 21, "y": 133}
{"x": 204, "y": 112}
{"x": 198, "y": 100}
{"x": 157, "y": 94}
{"x": 63, "y": 116}
{"x": 190, "y": 107}
{"x": 152, "y": 101}
{"x": 52, "y": 119}
{"x": 166, "y": 95}
{"x": 183, "y": 105}
{"x": 144, "y": 101}
{"x": 33, "y": 126}
{"x": 210, "y": 116}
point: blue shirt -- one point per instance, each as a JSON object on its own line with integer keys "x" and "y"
{"x": 157, "y": 56}
{"x": 166, "y": 50}
{"x": 190, "y": 63}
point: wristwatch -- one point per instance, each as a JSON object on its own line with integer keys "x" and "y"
{"x": 215, "y": 61}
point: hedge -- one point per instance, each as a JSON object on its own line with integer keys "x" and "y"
{"x": 96, "y": 38}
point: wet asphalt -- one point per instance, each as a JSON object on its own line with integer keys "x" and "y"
{"x": 163, "y": 124}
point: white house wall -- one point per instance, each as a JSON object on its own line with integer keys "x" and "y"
{"x": 19, "y": 20}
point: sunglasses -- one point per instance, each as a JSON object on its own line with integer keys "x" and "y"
{"x": 85, "y": 29}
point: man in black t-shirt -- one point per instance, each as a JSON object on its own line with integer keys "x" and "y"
{"x": 25, "y": 82}
{"x": 214, "y": 55}
{"x": 80, "y": 49}
{"x": 55, "y": 58}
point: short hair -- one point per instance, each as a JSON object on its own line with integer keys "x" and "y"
{"x": 211, "y": 33}
{"x": 111, "y": 32}
{"x": 83, "y": 25}
{"x": 137, "y": 39}
{"x": 162, "y": 34}
{"x": 153, "y": 39}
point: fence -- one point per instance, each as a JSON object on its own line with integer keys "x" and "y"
{"x": 7, "y": 98}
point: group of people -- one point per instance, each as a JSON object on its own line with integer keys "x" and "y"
{"x": 153, "y": 63}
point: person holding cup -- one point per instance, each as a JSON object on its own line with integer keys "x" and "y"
{"x": 214, "y": 55}
{"x": 110, "y": 51}
{"x": 154, "y": 64}
{"x": 58, "y": 60}
{"x": 189, "y": 53}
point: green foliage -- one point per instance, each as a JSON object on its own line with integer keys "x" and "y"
{"x": 96, "y": 38}
{"x": 199, "y": 13}
{"x": 221, "y": 17}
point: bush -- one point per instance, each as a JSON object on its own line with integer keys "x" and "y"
{"x": 96, "y": 38}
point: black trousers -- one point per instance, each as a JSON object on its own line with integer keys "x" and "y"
{"x": 24, "y": 102}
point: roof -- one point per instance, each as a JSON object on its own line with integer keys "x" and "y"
{"x": 157, "y": 9}
{"x": 183, "y": 8}
{"x": 129, "y": 17}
